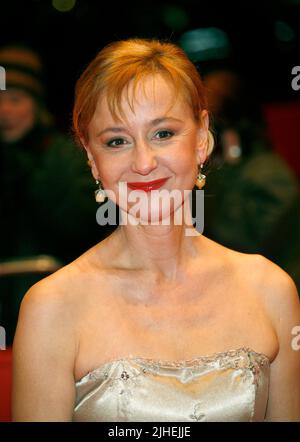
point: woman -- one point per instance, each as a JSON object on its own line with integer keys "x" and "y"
{"x": 120, "y": 334}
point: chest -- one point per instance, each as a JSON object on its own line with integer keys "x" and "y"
{"x": 172, "y": 323}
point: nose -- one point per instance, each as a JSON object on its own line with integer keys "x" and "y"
{"x": 144, "y": 160}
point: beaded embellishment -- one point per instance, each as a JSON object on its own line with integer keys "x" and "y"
{"x": 227, "y": 359}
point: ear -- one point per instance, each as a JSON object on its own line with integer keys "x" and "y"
{"x": 202, "y": 142}
{"x": 91, "y": 160}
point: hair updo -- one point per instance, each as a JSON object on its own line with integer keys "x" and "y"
{"x": 122, "y": 62}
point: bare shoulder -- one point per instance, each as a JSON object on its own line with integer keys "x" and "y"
{"x": 272, "y": 284}
{"x": 47, "y": 318}
{"x": 57, "y": 292}
{"x": 270, "y": 279}
{"x": 280, "y": 292}
{"x": 46, "y": 345}
{"x": 280, "y": 297}
{"x": 43, "y": 320}
{"x": 50, "y": 297}
{"x": 58, "y": 298}
{"x": 44, "y": 351}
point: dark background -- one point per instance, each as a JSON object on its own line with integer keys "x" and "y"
{"x": 264, "y": 36}
{"x": 264, "y": 47}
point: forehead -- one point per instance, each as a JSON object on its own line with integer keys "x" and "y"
{"x": 152, "y": 96}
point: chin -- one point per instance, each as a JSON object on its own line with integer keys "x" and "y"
{"x": 163, "y": 215}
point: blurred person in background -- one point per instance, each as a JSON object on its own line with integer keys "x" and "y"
{"x": 44, "y": 181}
{"x": 252, "y": 199}
{"x": 252, "y": 189}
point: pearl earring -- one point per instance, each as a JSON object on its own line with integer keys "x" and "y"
{"x": 100, "y": 194}
{"x": 201, "y": 179}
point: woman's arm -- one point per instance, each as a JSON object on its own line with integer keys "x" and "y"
{"x": 284, "y": 388}
{"x": 44, "y": 351}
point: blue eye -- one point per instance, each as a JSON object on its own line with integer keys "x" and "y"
{"x": 117, "y": 141}
{"x": 164, "y": 134}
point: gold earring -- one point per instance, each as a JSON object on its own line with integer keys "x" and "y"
{"x": 201, "y": 179}
{"x": 100, "y": 194}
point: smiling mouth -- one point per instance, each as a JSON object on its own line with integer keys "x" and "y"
{"x": 147, "y": 186}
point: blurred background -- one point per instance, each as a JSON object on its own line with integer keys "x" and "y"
{"x": 245, "y": 51}
{"x": 264, "y": 36}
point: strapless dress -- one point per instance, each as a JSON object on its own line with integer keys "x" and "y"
{"x": 230, "y": 386}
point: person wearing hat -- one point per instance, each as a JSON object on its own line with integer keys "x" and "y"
{"x": 22, "y": 103}
{"x": 44, "y": 182}
{"x": 251, "y": 195}
{"x": 251, "y": 188}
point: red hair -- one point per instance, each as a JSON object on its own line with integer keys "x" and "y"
{"x": 119, "y": 64}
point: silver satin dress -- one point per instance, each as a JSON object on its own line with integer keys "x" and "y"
{"x": 229, "y": 386}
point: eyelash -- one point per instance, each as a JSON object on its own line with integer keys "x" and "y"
{"x": 165, "y": 130}
{"x": 113, "y": 140}
{"x": 109, "y": 143}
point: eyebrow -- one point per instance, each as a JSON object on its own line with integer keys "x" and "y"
{"x": 152, "y": 123}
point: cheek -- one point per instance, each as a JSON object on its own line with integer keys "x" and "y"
{"x": 109, "y": 169}
{"x": 184, "y": 161}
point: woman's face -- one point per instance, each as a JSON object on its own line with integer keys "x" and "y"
{"x": 159, "y": 139}
{"x": 17, "y": 114}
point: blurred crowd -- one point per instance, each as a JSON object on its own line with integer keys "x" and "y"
{"x": 252, "y": 199}
{"x": 47, "y": 206}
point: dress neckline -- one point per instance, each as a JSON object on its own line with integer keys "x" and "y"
{"x": 180, "y": 363}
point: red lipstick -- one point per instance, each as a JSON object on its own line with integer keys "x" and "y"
{"x": 148, "y": 185}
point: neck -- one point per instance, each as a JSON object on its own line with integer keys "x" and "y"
{"x": 164, "y": 250}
